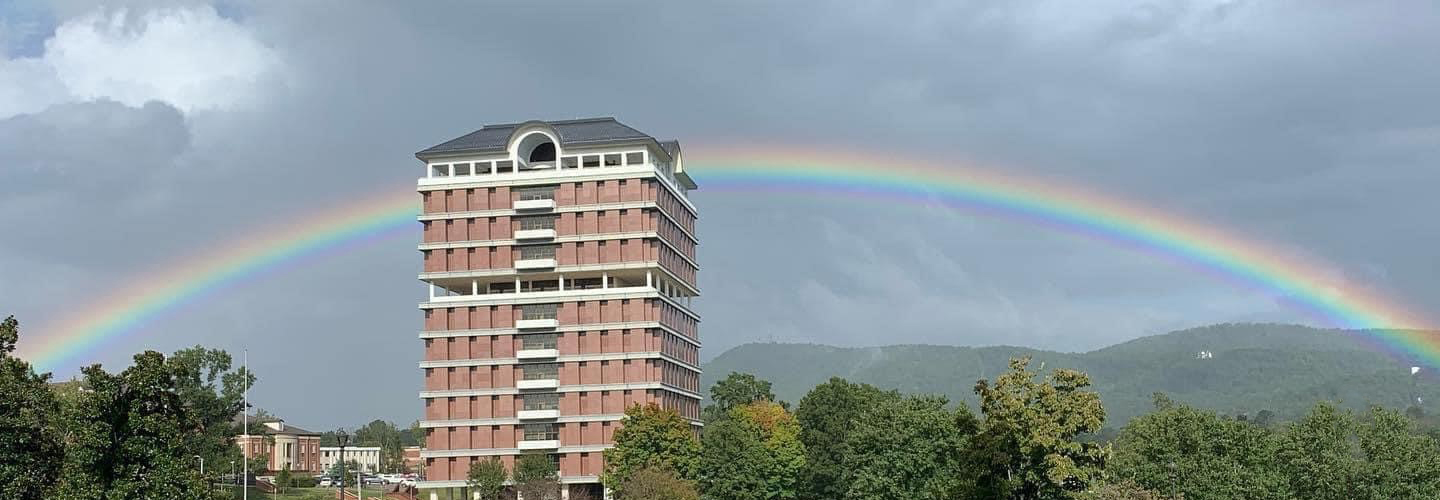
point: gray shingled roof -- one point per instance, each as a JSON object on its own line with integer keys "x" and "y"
{"x": 580, "y": 131}
{"x": 257, "y": 426}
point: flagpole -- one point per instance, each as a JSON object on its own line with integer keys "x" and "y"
{"x": 245, "y": 425}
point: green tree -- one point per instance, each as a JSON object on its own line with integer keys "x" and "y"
{"x": 656, "y": 483}
{"x": 487, "y": 478}
{"x": 1124, "y": 490}
{"x": 1319, "y": 456}
{"x": 31, "y": 451}
{"x": 754, "y": 453}
{"x": 134, "y": 434}
{"x": 282, "y": 479}
{"x": 1401, "y": 463}
{"x": 1027, "y": 445}
{"x": 651, "y": 437}
{"x": 912, "y": 448}
{"x": 259, "y": 464}
{"x": 389, "y": 438}
{"x": 827, "y": 415}
{"x": 344, "y": 470}
{"x": 1184, "y": 449}
{"x": 536, "y": 477}
{"x": 734, "y": 390}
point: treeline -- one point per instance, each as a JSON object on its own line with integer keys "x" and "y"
{"x": 1033, "y": 438}
{"x": 139, "y": 433}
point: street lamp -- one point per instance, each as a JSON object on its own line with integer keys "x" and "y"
{"x": 344, "y": 439}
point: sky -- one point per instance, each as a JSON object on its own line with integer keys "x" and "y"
{"x": 136, "y": 135}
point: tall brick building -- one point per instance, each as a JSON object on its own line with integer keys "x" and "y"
{"x": 560, "y": 259}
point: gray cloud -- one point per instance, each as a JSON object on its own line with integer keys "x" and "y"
{"x": 1311, "y": 127}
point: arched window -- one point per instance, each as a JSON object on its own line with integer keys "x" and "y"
{"x": 545, "y": 151}
{"x": 536, "y": 148}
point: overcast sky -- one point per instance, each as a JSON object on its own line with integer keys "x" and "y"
{"x": 132, "y": 138}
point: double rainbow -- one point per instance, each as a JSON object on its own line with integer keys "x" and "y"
{"x": 1368, "y": 314}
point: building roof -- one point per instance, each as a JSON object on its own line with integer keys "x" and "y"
{"x": 579, "y": 131}
{"x": 257, "y": 426}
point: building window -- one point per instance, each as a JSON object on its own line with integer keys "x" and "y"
{"x": 537, "y": 222}
{"x": 590, "y": 161}
{"x": 462, "y": 169}
{"x": 539, "y": 311}
{"x": 539, "y": 341}
{"x": 634, "y": 158}
{"x": 540, "y": 371}
{"x": 537, "y": 252}
{"x": 568, "y": 162}
{"x": 612, "y": 160}
{"x": 535, "y": 193}
{"x": 541, "y": 432}
{"x": 544, "y": 401}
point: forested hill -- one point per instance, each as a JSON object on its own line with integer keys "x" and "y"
{"x": 1251, "y": 367}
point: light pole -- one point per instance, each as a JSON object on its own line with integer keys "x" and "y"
{"x": 202, "y": 469}
{"x": 343, "y": 438}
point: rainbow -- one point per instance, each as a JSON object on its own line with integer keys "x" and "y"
{"x": 1369, "y": 315}
{"x": 257, "y": 253}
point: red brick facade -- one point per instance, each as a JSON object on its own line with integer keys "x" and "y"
{"x": 614, "y": 304}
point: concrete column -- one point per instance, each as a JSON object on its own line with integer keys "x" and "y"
{"x": 432, "y": 291}
{"x": 604, "y": 280}
{"x": 452, "y": 169}
{"x": 648, "y": 280}
{"x": 517, "y": 284}
{"x": 474, "y": 287}
{"x": 564, "y": 492}
{"x": 562, "y": 282}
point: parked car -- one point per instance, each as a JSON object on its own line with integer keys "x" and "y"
{"x": 373, "y": 480}
{"x": 326, "y": 482}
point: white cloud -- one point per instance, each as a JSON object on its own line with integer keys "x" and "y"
{"x": 191, "y": 58}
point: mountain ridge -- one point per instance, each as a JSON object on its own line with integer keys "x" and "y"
{"x": 1251, "y": 367}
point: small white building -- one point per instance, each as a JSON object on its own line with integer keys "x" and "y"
{"x": 367, "y": 456}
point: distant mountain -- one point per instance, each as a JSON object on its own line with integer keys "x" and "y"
{"x": 1230, "y": 368}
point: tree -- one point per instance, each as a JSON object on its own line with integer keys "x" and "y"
{"x": 1318, "y": 455}
{"x": 1124, "y": 490}
{"x": 754, "y": 453}
{"x": 487, "y": 478}
{"x": 1027, "y": 446}
{"x": 651, "y": 437}
{"x": 134, "y": 434}
{"x": 907, "y": 449}
{"x": 259, "y": 464}
{"x": 31, "y": 451}
{"x": 389, "y": 438}
{"x": 827, "y": 415}
{"x": 656, "y": 483}
{"x": 1400, "y": 462}
{"x": 536, "y": 477}
{"x": 1178, "y": 448}
{"x": 343, "y": 470}
{"x": 282, "y": 479}
{"x": 734, "y": 390}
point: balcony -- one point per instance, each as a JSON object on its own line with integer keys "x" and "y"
{"x": 537, "y": 414}
{"x": 535, "y": 234}
{"x": 548, "y": 444}
{"x": 544, "y": 383}
{"x": 534, "y": 205}
{"x": 533, "y": 264}
{"x": 528, "y": 354}
{"x": 537, "y": 324}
